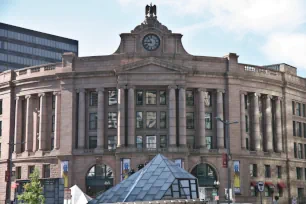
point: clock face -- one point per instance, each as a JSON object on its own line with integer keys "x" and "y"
{"x": 151, "y": 42}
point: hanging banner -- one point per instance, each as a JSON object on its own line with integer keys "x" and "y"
{"x": 64, "y": 172}
{"x": 237, "y": 177}
{"x": 179, "y": 163}
{"x": 125, "y": 168}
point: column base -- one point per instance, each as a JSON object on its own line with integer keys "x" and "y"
{"x": 173, "y": 148}
{"x": 25, "y": 153}
{"x": 203, "y": 150}
{"x": 39, "y": 153}
{"x": 99, "y": 150}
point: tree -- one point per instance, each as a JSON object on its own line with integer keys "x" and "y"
{"x": 33, "y": 191}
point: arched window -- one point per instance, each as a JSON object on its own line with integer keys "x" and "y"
{"x": 205, "y": 173}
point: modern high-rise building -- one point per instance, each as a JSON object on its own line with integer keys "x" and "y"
{"x": 20, "y": 47}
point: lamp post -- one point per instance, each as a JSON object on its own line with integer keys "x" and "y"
{"x": 216, "y": 185}
{"x": 228, "y": 151}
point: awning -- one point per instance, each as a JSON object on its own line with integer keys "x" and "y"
{"x": 253, "y": 183}
{"x": 281, "y": 184}
{"x": 269, "y": 184}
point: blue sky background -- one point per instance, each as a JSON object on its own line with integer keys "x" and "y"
{"x": 261, "y": 32}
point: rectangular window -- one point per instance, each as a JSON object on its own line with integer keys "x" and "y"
{"x": 246, "y": 124}
{"x": 247, "y": 143}
{"x": 112, "y": 142}
{"x": 298, "y": 173}
{"x": 189, "y": 98}
{"x": 304, "y": 128}
{"x": 246, "y": 101}
{"x": 279, "y": 171}
{"x": 139, "y": 98}
{"x": 209, "y": 142}
{"x": 300, "y": 151}
{"x": 295, "y": 150}
{"x": 163, "y": 120}
{"x": 151, "y": 119}
{"x": 207, "y": 98}
{"x": 253, "y": 190}
{"x": 93, "y": 100}
{"x": 163, "y": 141}
{"x": 208, "y": 121}
{"x": 304, "y": 151}
{"x": 305, "y": 174}
{"x": 53, "y": 123}
{"x": 18, "y": 172}
{"x": 267, "y": 171}
{"x": 0, "y": 128}
{"x": 139, "y": 120}
{"x": 280, "y": 191}
{"x": 267, "y": 192}
{"x": 0, "y": 149}
{"x": 299, "y": 129}
{"x": 150, "y": 97}
{"x": 298, "y": 109}
{"x": 293, "y": 108}
{"x": 300, "y": 192}
{"x": 294, "y": 128}
{"x": 93, "y": 121}
{"x": 139, "y": 142}
{"x": 92, "y": 142}
{"x": 304, "y": 110}
{"x": 30, "y": 170}
{"x": 112, "y": 97}
{"x": 46, "y": 169}
{"x": 53, "y": 102}
{"x": 253, "y": 170}
{"x": 162, "y": 98}
{"x": 112, "y": 120}
{"x": 190, "y": 120}
{"x": 52, "y": 143}
{"x": 151, "y": 142}
{"x": 0, "y": 107}
{"x": 190, "y": 141}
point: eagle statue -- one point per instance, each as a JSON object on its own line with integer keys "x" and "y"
{"x": 150, "y": 10}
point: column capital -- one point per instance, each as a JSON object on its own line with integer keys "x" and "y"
{"x": 277, "y": 98}
{"x": 243, "y": 93}
{"x": 181, "y": 87}
{"x": 121, "y": 86}
{"x": 256, "y": 94}
{"x": 41, "y": 94}
{"x": 220, "y": 90}
{"x": 172, "y": 87}
{"x": 100, "y": 89}
{"x": 28, "y": 96}
{"x": 56, "y": 93}
{"x": 130, "y": 87}
{"x": 80, "y": 90}
{"x": 267, "y": 96}
{"x": 201, "y": 89}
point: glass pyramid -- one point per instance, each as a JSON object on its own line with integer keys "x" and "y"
{"x": 160, "y": 179}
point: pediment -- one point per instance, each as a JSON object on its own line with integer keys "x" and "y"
{"x": 154, "y": 65}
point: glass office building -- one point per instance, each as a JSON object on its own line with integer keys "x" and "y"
{"x": 20, "y": 47}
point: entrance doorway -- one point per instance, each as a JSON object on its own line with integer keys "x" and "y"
{"x": 99, "y": 179}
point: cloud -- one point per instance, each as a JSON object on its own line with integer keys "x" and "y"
{"x": 287, "y": 48}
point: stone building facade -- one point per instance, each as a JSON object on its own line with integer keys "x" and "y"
{"x": 150, "y": 97}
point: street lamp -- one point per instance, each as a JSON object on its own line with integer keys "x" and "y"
{"x": 216, "y": 185}
{"x": 227, "y": 139}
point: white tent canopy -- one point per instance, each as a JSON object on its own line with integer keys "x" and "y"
{"x": 78, "y": 196}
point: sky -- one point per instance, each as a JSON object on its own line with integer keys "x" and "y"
{"x": 261, "y": 32}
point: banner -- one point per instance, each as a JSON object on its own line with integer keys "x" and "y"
{"x": 237, "y": 177}
{"x": 125, "y": 168}
{"x": 179, "y": 163}
{"x": 64, "y": 172}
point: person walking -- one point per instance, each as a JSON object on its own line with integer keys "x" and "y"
{"x": 275, "y": 200}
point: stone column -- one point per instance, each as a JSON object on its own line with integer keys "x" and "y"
{"x": 268, "y": 124}
{"x": 29, "y": 124}
{"x": 255, "y": 123}
{"x": 57, "y": 112}
{"x": 131, "y": 116}
{"x": 42, "y": 122}
{"x": 182, "y": 117}
{"x": 18, "y": 125}
{"x": 121, "y": 117}
{"x": 201, "y": 129}
{"x": 278, "y": 125}
{"x": 100, "y": 115}
{"x": 81, "y": 119}
{"x": 242, "y": 120}
{"x": 172, "y": 116}
{"x": 220, "y": 126}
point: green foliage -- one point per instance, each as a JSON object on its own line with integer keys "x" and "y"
{"x": 33, "y": 191}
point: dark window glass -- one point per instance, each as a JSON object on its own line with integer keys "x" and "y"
{"x": 30, "y": 170}
{"x": 93, "y": 100}
{"x": 190, "y": 141}
{"x": 295, "y": 150}
{"x": 112, "y": 142}
{"x": 298, "y": 109}
{"x": 112, "y": 97}
{"x": 304, "y": 128}
{"x": 294, "y": 128}
{"x": 162, "y": 97}
{"x": 53, "y": 123}
{"x": 247, "y": 143}
{"x": 150, "y": 97}
{"x": 279, "y": 171}
{"x": 253, "y": 170}
{"x": 208, "y": 121}
{"x": 189, "y": 98}
{"x": 305, "y": 174}
{"x": 267, "y": 171}
{"x": 300, "y": 151}
{"x": 0, "y": 107}
{"x": 280, "y": 192}
{"x": 151, "y": 119}
{"x": 163, "y": 141}
{"x": 304, "y": 151}
{"x": 300, "y": 192}
{"x": 267, "y": 192}
{"x": 293, "y": 108}
{"x": 253, "y": 190}
{"x": 0, "y": 149}
{"x": 139, "y": 98}
{"x": 112, "y": 120}
{"x": 246, "y": 101}
{"x": 298, "y": 173}
{"x": 93, "y": 121}
{"x": 209, "y": 142}
{"x": 53, "y": 101}
{"x": 139, "y": 142}
{"x": 151, "y": 142}
{"x": 52, "y": 143}
{"x": 139, "y": 120}
{"x": 190, "y": 120}
{"x": 304, "y": 110}
{"x": 92, "y": 142}
{"x": 163, "y": 120}
{"x": 246, "y": 123}
{"x": 207, "y": 98}
{"x": 299, "y": 129}
{"x": 46, "y": 169}
{"x": 0, "y": 128}
{"x": 18, "y": 172}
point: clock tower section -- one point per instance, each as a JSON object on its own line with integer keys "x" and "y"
{"x": 151, "y": 38}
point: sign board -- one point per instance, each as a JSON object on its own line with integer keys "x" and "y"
{"x": 260, "y": 186}
{"x": 202, "y": 193}
{"x": 294, "y": 201}
{"x": 230, "y": 194}
{"x": 216, "y": 197}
